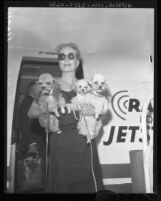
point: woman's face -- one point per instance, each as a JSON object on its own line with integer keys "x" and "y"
{"x": 68, "y": 60}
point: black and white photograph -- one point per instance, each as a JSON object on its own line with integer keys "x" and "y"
{"x": 80, "y": 100}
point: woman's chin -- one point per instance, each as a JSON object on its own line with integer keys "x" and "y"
{"x": 68, "y": 69}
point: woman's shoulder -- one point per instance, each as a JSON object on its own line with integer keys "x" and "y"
{"x": 59, "y": 80}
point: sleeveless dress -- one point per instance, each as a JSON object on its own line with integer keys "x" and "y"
{"x": 69, "y": 165}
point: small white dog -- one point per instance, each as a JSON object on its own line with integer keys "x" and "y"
{"x": 49, "y": 99}
{"x": 82, "y": 89}
{"x": 86, "y": 125}
{"x": 97, "y": 99}
{"x": 91, "y": 94}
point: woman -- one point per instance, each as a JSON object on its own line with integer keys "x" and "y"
{"x": 70, "y": 169}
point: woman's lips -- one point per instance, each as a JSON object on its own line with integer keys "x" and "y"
{"x": 67, "y": 64}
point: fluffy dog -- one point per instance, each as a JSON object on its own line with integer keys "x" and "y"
{"x": 91, "y": 93}
{"x": 86, "y": 125}
{"x": 82, "y": 89}
{"x": 98, "y": 100}
{"x": 49, "y": 99}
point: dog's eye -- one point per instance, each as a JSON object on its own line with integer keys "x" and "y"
{"x": 102, "y": 83}
{"x": 39, "y": 83}
{"x": 48, "y": 83}
{"x": 96, "y": 82}
{"x": 80, "y": 86}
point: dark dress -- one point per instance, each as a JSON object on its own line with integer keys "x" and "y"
{"x": 70, "y": 169}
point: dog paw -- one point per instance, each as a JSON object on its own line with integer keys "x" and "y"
{"x": 56, "y": 113}
{"x": 63, "y": 110}
{"x": 59, "y": 132}
{"x": 80, "y": 108}
{"x": 88, "y": 141}
{"x": 69, "y": 108}
{"x": 96, "y": 116}
{"x": 93, "y": 137}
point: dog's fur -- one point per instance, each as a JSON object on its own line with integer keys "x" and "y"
{"x": 98, "y": 100}
{"x": 82, "y": 89}
{"x": 49, "y": 99}
{"x": 91, "y": 93}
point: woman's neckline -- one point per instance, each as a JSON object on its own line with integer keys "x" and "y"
{"x": 65, "y": 86}
{"x": 66, "y": 91}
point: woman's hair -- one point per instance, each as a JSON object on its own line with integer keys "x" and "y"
{"x": 71, "y": 45}
{"x": 31, "y": 88}
{"x": 79, "y": 74}
{"x": 79, "y": 70}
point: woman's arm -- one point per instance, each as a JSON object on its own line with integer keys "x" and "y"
{"x": 35, "y": 110}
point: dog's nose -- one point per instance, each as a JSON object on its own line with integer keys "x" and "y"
{"x": 43, "y": 87}
{"x": 100, "y": 87}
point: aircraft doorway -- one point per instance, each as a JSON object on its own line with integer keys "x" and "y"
{"x": 28, "y": 175}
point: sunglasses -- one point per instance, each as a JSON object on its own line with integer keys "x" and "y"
{"x": 70, "y": 56}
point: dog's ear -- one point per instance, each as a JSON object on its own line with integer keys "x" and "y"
{"x": 56, "y": 84}
{"x": 75, "y": 85}
{"x": 37, "y": 91}
{"x": 37, "y": 83}
{"x": 90, "y": 82}
{"x": 106, "y": 84}
{"x": 56, "y": 88}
